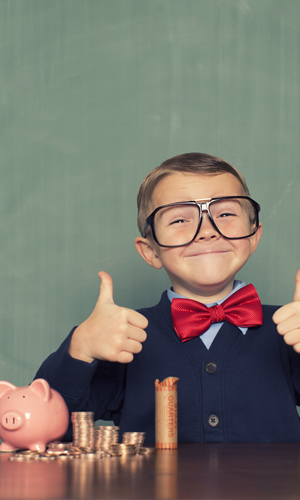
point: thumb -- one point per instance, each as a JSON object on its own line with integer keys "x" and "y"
{"x": 106, "y": 289}
{"x": 297, "y": 287}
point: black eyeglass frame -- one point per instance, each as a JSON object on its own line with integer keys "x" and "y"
{"x": 200, "y": 203}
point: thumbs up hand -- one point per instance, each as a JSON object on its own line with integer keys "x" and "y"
{"x": 110, "y": 333}
{"x": 287, "y": 319}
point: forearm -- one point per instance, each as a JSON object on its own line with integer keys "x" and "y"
{"x": 96, "y": 386}
{"x": 69, "y": 376}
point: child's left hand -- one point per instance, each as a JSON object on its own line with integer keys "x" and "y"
{"x": 287, "y": 319}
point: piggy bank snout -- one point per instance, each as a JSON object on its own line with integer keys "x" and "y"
{"x": 11, "y": 420}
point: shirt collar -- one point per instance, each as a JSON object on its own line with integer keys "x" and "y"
{"x": 236, "y": 286}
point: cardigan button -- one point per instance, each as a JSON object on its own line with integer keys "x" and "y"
{"x": 211, "y": 367}
{"x": 213, "y": 420}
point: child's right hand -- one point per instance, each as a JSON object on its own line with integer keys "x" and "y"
{"x": 110, "y": 333}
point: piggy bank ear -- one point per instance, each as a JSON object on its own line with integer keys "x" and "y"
{"x": 5, "y": 387}
{"x": 42, "y": 387}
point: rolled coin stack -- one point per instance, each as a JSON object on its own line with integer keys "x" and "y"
{"x": 106, "y": 436}
{"x": 136, "y": 438}
{"x": 83, "y": 430}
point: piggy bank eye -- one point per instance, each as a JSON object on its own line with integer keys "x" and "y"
{"x": 24, "y": 396}
{"x": 8, "y": 397}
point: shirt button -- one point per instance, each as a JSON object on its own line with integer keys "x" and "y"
{"x": 211, "y": 367}
{"x": 213, "y": 420}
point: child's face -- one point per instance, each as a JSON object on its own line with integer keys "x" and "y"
{"x": 205, "y": 269}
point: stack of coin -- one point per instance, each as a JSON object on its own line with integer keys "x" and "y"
{"x": 146, "y": 451}
{"x": 136, "y": 438}
{"x": 23, "y": 456}
{"x": 67, "y": 451}
{"x": 105, "y": 436}
{"x": 123, "y": 449}
{"x": 83, "y": 430}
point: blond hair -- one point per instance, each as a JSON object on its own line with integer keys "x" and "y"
{"x": 195, "y": 163}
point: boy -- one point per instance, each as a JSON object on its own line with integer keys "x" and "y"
{"x": 238, "y": 382}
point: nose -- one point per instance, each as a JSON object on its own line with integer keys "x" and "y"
{"x": 11, "y": 420}
{"x": 207, "y": 230}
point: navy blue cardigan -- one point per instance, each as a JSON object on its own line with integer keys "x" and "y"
{"x": 253, "y": 391}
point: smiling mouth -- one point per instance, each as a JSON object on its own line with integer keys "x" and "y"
{"x": 209, "y": 252}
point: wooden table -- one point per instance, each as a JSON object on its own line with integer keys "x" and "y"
{"x": 194, "y": 471}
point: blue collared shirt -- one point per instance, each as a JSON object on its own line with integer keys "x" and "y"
{"x": 209, "y": 336}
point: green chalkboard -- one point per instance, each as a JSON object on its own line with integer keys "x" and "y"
{"x": 93, "y": 95}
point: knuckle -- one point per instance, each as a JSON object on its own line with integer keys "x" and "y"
{"x": 121, "y": 331}
{"x": 113, "y": 355}
{"x": 118, "y": 343}
{"x": 123, "y": 314}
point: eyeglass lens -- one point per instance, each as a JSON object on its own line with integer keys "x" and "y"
{"x": 177, "y": 224}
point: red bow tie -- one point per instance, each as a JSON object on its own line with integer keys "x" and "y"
{"x": 192, "y": 318}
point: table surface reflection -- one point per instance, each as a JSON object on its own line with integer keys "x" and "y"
{"x": 194, "y": 471}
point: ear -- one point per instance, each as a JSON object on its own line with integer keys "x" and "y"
{"x": 5, "y": 387}
{"x": 146, "y": 248}
{"x": 255, "y": 238}
{"x": 42, "y": 387}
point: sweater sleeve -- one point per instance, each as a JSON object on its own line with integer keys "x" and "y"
{"x": 96, "y": 386}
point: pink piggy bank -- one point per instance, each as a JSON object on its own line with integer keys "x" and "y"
{"x": 31, "y": 416}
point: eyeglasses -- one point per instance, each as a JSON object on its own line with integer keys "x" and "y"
{"x": 177, "y": 224}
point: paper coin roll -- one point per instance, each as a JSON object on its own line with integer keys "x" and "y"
{"x": 166, "y": 434}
